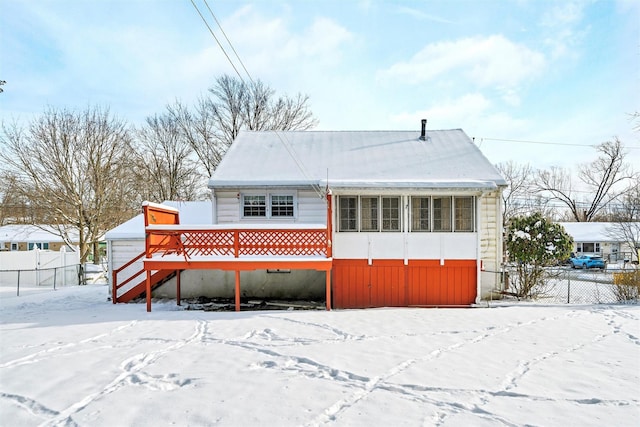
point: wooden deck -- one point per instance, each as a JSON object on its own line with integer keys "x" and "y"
{"x": 172, "y": 247}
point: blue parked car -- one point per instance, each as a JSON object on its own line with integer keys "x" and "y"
{"x": 587, "y": 261}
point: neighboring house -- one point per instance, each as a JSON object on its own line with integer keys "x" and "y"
{"x": 602, "y": 238}
{"x": 24, "y": 237}
{"x": 378, "y": 218}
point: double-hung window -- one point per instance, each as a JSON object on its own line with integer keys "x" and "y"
{"x": 268, "y": 206}
{"x": 254, "y": 206}
{"x": 281, "y": 206}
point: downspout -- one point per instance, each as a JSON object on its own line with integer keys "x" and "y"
{"x": 499, "y": 232}
{"x": 405, "y": 220}
{"x": 109, "y": 269}
{"x": 214, "y": 207}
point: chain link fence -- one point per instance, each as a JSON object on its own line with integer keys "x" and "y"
{"x": 21, "y": 282}
{"x": 564, "y": 285}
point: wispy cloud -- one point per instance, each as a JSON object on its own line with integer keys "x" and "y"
{"x": 474, "y": 110}
{"x": 484, "y": 62}
{"x": 424, "y": 16}
{"x": 561, "y": 24}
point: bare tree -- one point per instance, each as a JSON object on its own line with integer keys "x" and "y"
{"x": 516, "y": 197}
{"x": 167, "y": 167}
{"x": 73, "y": 167}
{"x": 625, "y": 224}
{"x": 199, "y": 128}
{"x": 603, "y": 180}
{"x": 233, "y": 105}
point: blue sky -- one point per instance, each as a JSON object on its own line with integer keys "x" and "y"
{"x": 524, "y": 70}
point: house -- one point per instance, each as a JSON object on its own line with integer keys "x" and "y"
{"x": 605, "y": 239}
{"x": 25, "y": 237}
{"x": 359, "y": 218}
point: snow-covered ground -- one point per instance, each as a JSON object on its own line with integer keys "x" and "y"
{"x": 69, "y": 357}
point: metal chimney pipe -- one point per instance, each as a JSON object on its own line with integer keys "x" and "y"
{"x": 423, "y": 134}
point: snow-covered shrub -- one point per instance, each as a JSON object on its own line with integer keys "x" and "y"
{"x": 534, "y": 243}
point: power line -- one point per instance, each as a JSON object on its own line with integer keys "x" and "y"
{"x": 281, "y": 137}
{"x": 229, "y": 42}
{"x": 547, "y": 143}
{"x": 216, "y": 39}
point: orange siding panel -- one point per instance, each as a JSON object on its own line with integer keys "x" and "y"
{"x": 389, "y": 283}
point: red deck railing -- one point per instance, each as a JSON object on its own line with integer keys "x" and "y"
{"x": 236, "y": 242}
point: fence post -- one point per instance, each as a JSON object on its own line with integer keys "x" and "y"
{"x": 37, "y": 255}
{"x": 568, "y": 287}
{"x": 18, "y": 287}
{"x": 55, "y": 275}
{"x": 63, "y": 259}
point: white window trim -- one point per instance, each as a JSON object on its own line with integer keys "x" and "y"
{"x": 267, "y": 196}
{"x": 379, "y": 210}
{"x": 473, "y": 215}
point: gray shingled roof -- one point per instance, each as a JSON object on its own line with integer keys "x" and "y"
{"x": 356, "y": 159}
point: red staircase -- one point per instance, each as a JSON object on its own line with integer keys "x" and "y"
{"x": 124, "y": 292}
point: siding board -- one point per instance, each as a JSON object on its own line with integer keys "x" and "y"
{"x": 389, "y": 283}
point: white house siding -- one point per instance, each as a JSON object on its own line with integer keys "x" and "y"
{"x": 310, "y": 207}
{"x": 490, "y": 232}
{"x": 120, "y": 252}
{"x": 428, "y": 245}
{"x": 228, "y": 207}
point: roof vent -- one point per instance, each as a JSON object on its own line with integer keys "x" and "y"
{"x": 423, "y": 134}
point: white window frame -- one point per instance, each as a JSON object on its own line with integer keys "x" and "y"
{"x": 357, "y": 214}
{"x": 268, "y": 200}
{"x": 398, "y": 210}
{"x": 433, "y": 218}
{"x": 39, "y": 245}
{"x": 428, "y": 219}
{"x": 242, "y": 206}
{"x": 293, "y": 205}
{"x": 472, "y": 210}
{"x": 379, "y": 212}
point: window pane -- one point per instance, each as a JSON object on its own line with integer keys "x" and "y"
{"x": 442, "y": 214}
{"x": 390, "y": 214}
{"x": 348, "y": 213}
{"x": 464, "y": 213}
{"x": 255, "y": 206}
{"x": 369, "y": 213}
{"x": 588, "y": 247}
{"x": 281, "y": 206}
{"x": 420, "y": 213}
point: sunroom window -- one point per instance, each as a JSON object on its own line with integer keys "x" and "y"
{"x": 369, "y": 213}
{"x": 442, "y": 214}
{"x": 390, "y": 214}
{"x": 348, "y": 210}
{"x": 420, "y": 213}
{"x": 463, "y": 213}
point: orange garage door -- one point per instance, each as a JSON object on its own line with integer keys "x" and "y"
{"x": 390, "y": 283}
